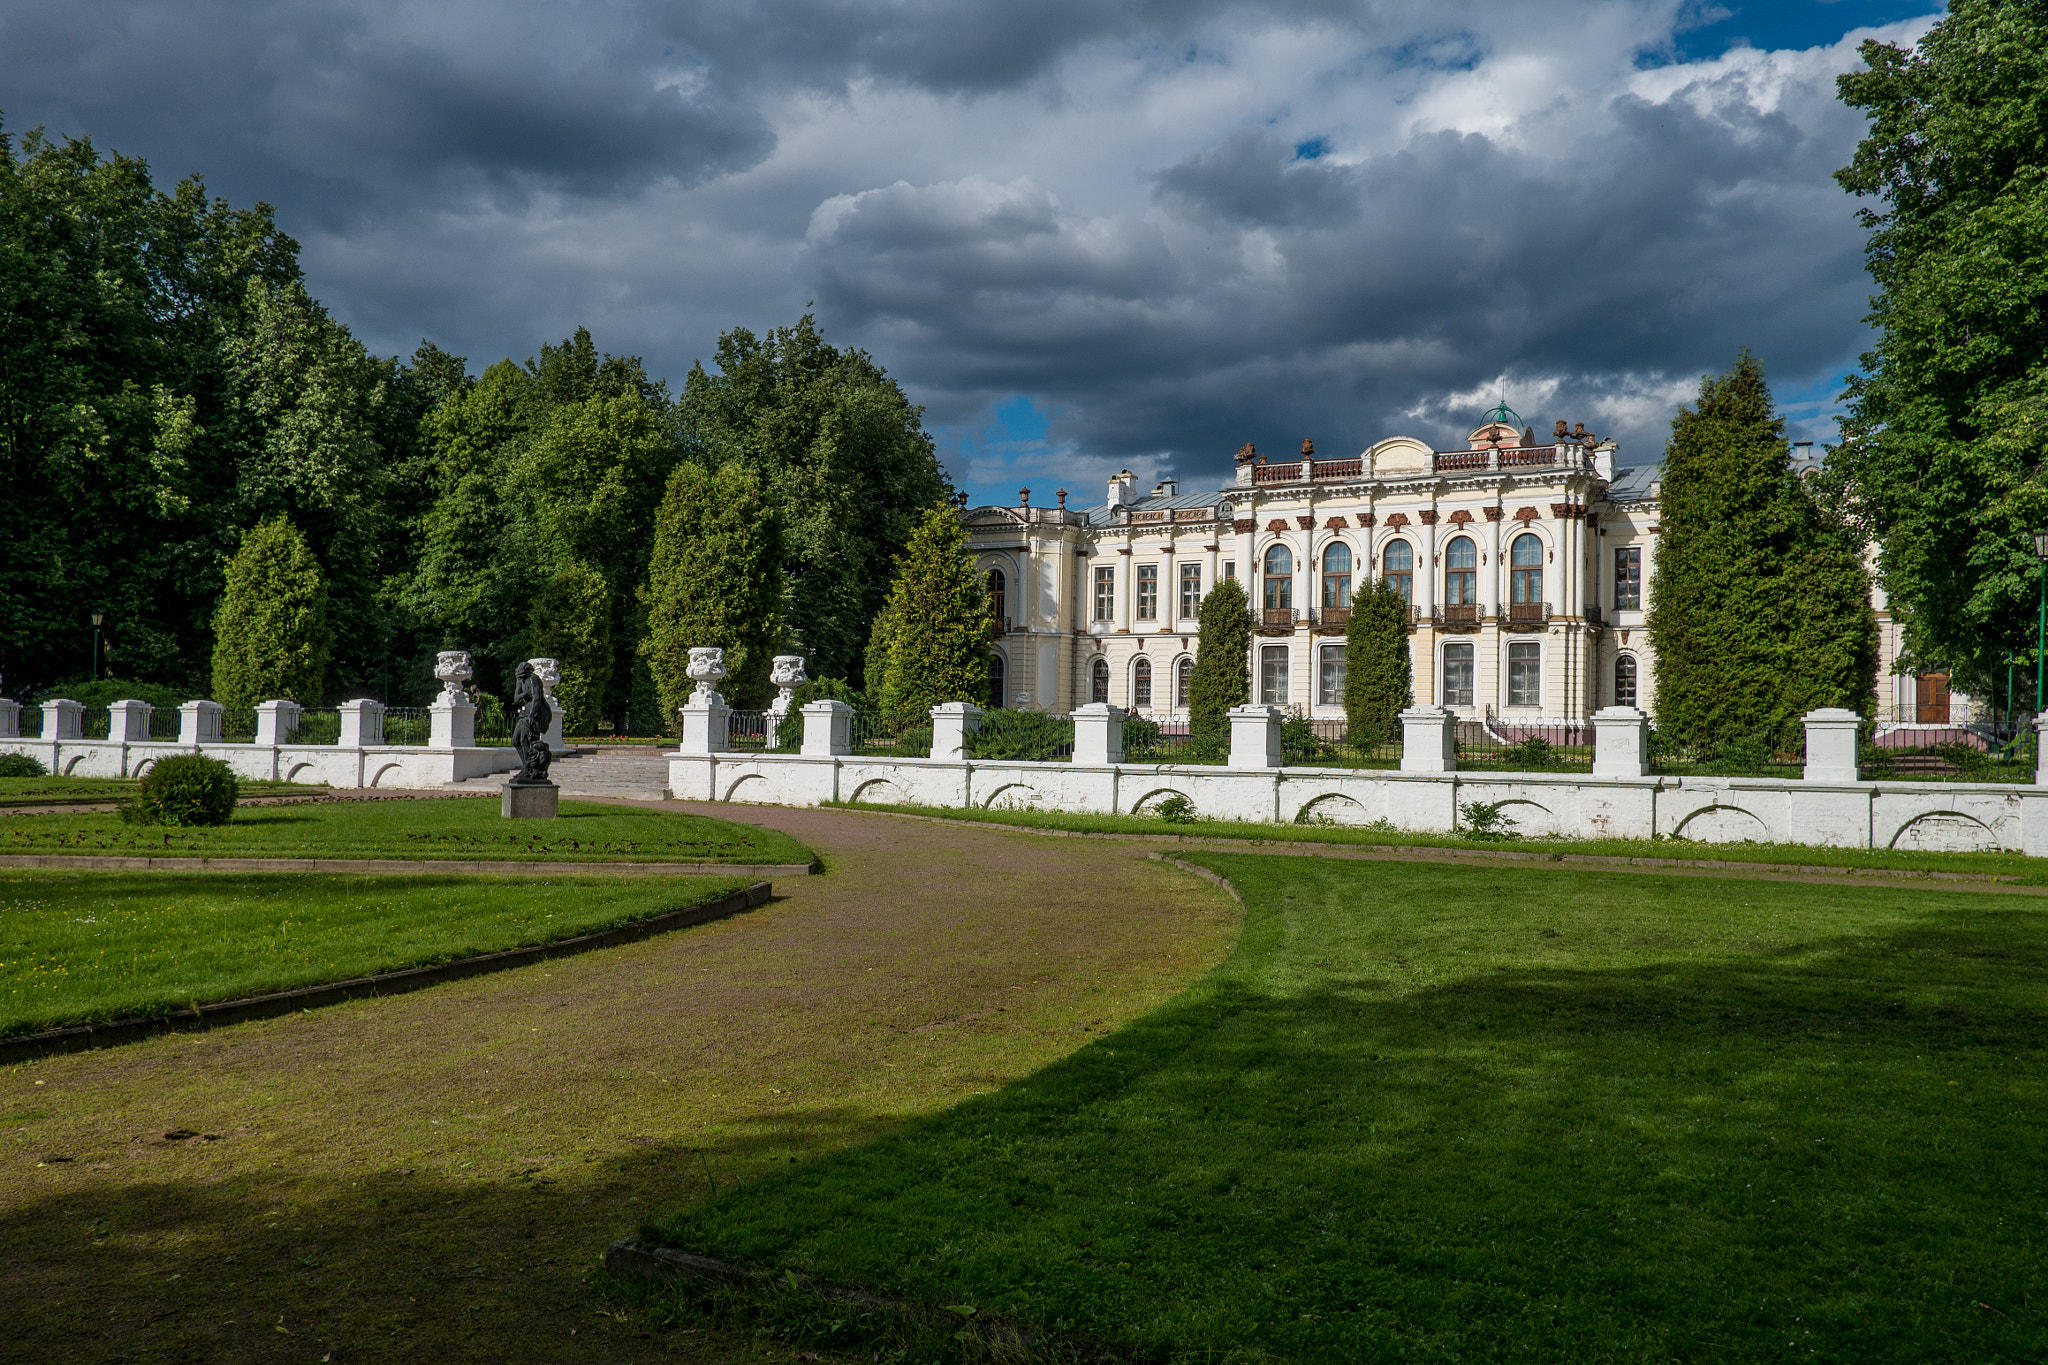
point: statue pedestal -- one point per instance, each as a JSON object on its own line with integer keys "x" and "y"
{"x": 530, "y": 800}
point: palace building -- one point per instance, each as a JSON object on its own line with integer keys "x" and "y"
{"x": 1526, "y": 568}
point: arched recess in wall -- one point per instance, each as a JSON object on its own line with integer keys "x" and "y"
{"x": 378, "y": 779}
{"x": 1947, "y": 831}
{"x": 741, "y": 791}
{"x": 1098, "y": 680}
{"x": 878, "y": 791}
{"x": 1151, "y": 799}
{"x": 1011, "y": 796}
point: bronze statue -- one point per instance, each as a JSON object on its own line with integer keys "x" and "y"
{"x": 530, "y": 729}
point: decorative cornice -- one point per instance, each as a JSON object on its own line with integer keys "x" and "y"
{"x": 1526, "y": 514}
{"x": 1492, "y": 513}
{"x": 1243, "y": 525}
{"x": 1461, "y": 518}
{"x": 1367, "y": 520}
{"x": 1305, "y": 523}
{"x": 1427, "y": 516}
{"x": 1397, "y": 519}
{"x": 1277, "y": 525}
{"x": 1336, "y": 524}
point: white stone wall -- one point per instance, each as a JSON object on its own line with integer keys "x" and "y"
{"x": 376, "y": 766}
{"x": 1945, "y": 816}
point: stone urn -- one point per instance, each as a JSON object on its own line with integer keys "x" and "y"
{"x": 453, "y": 669}
{"x": 787, "y": 673}
{"x": 549, "y": 671}
{"x": 707, "y": 669}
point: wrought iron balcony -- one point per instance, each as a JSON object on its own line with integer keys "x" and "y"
{"x": 1458, "y": 616}
{"x": 1528, "y": 613}
{"x": 1277, "y": 618}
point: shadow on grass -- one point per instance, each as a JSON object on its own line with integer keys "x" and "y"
{"x": 1827, "y": 1146}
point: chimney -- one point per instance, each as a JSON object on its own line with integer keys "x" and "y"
{"x": 1121, "y": 486}
{"x": 1166, "y": 488}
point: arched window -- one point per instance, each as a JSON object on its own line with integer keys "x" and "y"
{"x": 1183, "y": 682}
{"x": 1399, "y": 568}
{"x": 995, "y": 682}
{"x": 997, "y": 597}
{"x": 1625, "y": 680}
{"x": 1141, "y": 683}
{"x": 1279, "y": 578}
{"x": 1461, "y": 573}
{"x": 1337, "y": 576}
{"x": 1525, "y": 572}
{"x": 1098, "y": 680}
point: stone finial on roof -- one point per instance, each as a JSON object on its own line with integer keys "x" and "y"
{"x": 1247, "y": 453}
{"x": 1308, "y": 448}
{"x": 1023, "y": 497}
{"x": 1061, "y": 494}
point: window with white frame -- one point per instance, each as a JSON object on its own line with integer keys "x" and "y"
{"x": 1183, "y": 682}
{"x": 1628, "y": 578}
{"x": 1457, "y": 675}
{"x": 1190, "y": 591}
{"x": 1525, "y": 570}
{"x": 1279, "y": 578}
{"x": 1148, "y": 592}
{"x": 1330, "y": 676}
{"x": 1273, "y": 675}
{"x": 1461, "y": 573}
{"x": 1098, "y": 680}
{"x": 1525, "y": 674}
{"x": 1105, "y": 593}
{"x": 1625, "y": 680}
{"x": 1398, "y": 568}
{"x": 1337, "y": 577}
{"x": 1141, "y": 683}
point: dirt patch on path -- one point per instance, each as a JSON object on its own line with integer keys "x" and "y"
{"x": 433, "y": 1176}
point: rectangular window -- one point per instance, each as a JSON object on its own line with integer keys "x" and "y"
{"x": 1330, "y": 677}
{"x": 1525, "y": 675}
{"x": 1273, "y": 675}
{"x": 1628, "y": 578}
{"x": 1105, "y": 594}
{"x": 1230, "y": 568}
{"x": 1190, "y": 591}
{"x": 1148, "y": 592}
{"x": 1457, "y": 675}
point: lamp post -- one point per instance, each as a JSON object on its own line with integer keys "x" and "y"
{"x": 97, "y": 617}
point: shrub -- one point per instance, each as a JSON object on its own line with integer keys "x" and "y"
{"x": 21, "y": 765}
{"x": 185, "y": 790}
{"x": 1487, "y": 820}
{"x": 1022, "y": 736}
{"x": 1176, "y": 810}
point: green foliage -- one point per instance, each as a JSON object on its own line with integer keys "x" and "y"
{"x": 1378, "y": 672}
{"x": 1222, "y": 673}
{"x": 1759, "y": 606}
{"x": 1028, "y": 736}
{"x": 846, "y": 459}
{"x": 715, "y": 580}
{"x": 270, "y": 635}
{"x": 1945, "y": 445}
{"x": 1176, "y": 810}
{"x": 95, "y": 696}
{"x": 21, "y": 765}
{"x": 572, "y": 624}
{"x": 185, "y": 789}
{"x": 1487, "y": 821}
{"x": 939, "y": 633}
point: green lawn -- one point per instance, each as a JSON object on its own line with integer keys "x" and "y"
{"x": 81, "y": 791}
{"x": 461, "y": 828}
{"x": 2015, "y": 867}
{"x": 1430, "y": 1113}
{"x": 88, "y": 946}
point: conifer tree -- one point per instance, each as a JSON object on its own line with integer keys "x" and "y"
{"x": 270, "y": 633}
{"x": 572, "y": 624}
{"x": 938, "y": 630}
{"x": 1759, "y": 606}
{"x": 1222, "y": 676}
{"x": 715, "y": 578}
{"x": 1378, "y": 673}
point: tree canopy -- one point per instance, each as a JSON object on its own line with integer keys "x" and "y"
{"x": 938, "y": 630}
{"x": 1947, "y": 424}
{"x": 715, "y": 579}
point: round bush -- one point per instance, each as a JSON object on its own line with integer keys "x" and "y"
{"x": 21, "y": 765}
{"x": 187, "y": 790}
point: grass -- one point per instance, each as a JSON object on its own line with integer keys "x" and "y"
{"x": 1434, "y": 1113}
{"x": 82, "y": 791}
{"x": 2012, "y": 867}
{"x": 456, "y": 828}
{"x": 93, "y": 946}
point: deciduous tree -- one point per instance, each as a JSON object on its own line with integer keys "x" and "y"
{"x": 715, "y": 579}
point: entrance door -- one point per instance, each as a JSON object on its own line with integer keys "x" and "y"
{"x": 1931, "y": 705}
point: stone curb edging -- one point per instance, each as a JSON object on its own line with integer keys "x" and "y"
{"x": 394, "y": 865}
{"x": 82, "y": 1037}
{"x": 1436, "y": 852}
{"x": 1194, "y": 869}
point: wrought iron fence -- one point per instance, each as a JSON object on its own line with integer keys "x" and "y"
{"x": 1021, "y": 736}
{"x": 904, "y": 734}
{"x": 1331, "y": 744}
{"x": 96, "y": 724}
{"x": 1173, "y": 741}
{"x": 317, "y": 727}
{"x": 493, "y": 721}
{"x": 1525, "y": 746}
{"x": 164, "y": 724}
{"x": 1944, "y": 753}
{"x": 238, "y": 725}
{"x": 758, "y": 732}
{"x": 1777, "y": 749}
{"x": 31, "y": 722}
{"x": 408, "y": 725}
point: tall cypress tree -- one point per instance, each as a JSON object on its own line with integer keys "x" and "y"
{"x": 1222, "y": 676}
{"x": 270, "y": 634}
{"x": 1378, "y": 674}
{"x": 938, "y": 630}
{"x": 715, "y": 579}
{"x": 1760, "y": 604}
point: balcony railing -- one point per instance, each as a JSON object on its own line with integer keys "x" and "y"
{"x": 1528, "y": 613}
{"x": 1514, "y": 457}
{"x": 1334, "y": 617}
{"x": 1276, "y": 618}
{"x": 1458, "y": 616}
{"x": 1277, "y": 473}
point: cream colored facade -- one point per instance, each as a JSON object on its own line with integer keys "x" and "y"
{"x": 1529, "y": 568}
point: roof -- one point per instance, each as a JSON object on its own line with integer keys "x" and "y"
{"x": 1100, "y": 516}
{"x": 1635, "y": 484}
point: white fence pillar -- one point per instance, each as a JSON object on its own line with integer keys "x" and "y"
{"x": 828, "y": 728}
{"x": 2041, "y": 750}
{"x": 129, "y": 720}
{"x": 1831, "y": 744}
{"x": 276, "y": 720}
{"x": 451, "y": 722}
{"x": 199, "y": 722}
{"x": 1099, "y": 734}
{"x": 1429, "y": 740}
{"x": 362, "y": 724}
{"x": 952, "y": 723}
{"x": 10, "y": 718}
{"x": 1620, "y": 742}
{"x": 1254, "y": 736}
{"x": 707, "y": 724}
{"x": 63, "y": 718}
